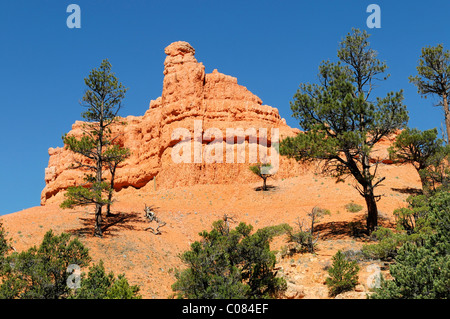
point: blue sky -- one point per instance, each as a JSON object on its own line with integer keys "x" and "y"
{"x": 270, "y": 46}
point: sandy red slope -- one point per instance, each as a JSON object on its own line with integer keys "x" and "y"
{"x": 149, "y": 260}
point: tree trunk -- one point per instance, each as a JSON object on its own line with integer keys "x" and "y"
{"x": 424, "y": 182}
{"x": 447, "y": 116}
{"x": 264, "y": 183}
{"x": 97, "y": 188}
{"x": 98, "y": 220}
{"x": 110, "y": 193}
{"x": 423, "y": 179}
{"x": 108, "y": 206}
{"x": 372, "y": 211}
{"x": 99, "y": 178}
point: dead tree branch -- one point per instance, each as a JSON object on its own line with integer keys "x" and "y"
{"x": 151, "y": 216}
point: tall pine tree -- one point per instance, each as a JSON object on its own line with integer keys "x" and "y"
{"x": 342, "y": 121}
{"x": 103, "y": 100}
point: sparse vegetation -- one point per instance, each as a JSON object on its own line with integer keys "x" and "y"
{"x": 353, "y": 207}
{"x": 343, "y": 274}
{"x": 341, "y": 122}
{"x": 304, "y": 238}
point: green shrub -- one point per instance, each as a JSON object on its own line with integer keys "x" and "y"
{"x": 99, "y": 285}
{"x": 230, "y": 264}
{"x": 304, "y": 238}
{"x": 42, "y": 272}
{"x": 387, "y": 246}
{"x": 353, "y": 207}
{"x": 4, "y": 245}
{"x": 410, "y": 218}
{"x": 422, "y": 268}
{"x": 343, "y": 274}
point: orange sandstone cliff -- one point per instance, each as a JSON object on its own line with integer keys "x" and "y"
{"x": 189, "y": 94}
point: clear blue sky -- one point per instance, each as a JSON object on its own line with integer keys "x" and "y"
{"x": 270, "y": 46}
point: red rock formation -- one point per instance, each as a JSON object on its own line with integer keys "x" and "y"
{"x": 188, "y": 95}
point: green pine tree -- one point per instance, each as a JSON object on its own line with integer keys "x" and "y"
{"x": 115, "y": 155}
{"x": 342, "y": 122}
{"x": 434, "y": 78}
{"x": 343, "y": 274}
{"x": 103, "y": 100}
{"x": 416, "y": 147}
{"x": 46, "y": 272}
{"x": 422, "y": 268}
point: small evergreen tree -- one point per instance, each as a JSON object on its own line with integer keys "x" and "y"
{"x": 263, "y": 171}
{"x": 387, "y": 245}
{"x": 229, "y": 264}
{"x": 411, "y": 218}
{"x": 343, "y": 274}
{"x": 4, "y": 245}
{"x": 437, "y": 173}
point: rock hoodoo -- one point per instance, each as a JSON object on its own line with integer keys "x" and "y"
{"x": 188, "y": 96}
